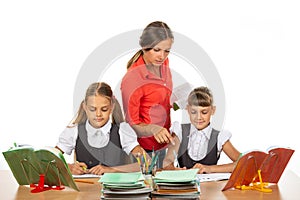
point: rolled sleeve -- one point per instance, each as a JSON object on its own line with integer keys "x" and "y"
{"x": 223, "y": 137}
{"x": 67, "y": 140}
{"x": 128, "y": 137}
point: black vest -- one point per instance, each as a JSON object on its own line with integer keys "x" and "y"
{"x": 110, "y": 155}
{"x": 211, "y": 157}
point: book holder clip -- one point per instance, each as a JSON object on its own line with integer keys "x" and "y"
{"x": 259, "y": 186}
{"x": 40, "y": 187}
{"x": 254, "y": 185}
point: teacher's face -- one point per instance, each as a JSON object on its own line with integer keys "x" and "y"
{"x": 158, "y": 54}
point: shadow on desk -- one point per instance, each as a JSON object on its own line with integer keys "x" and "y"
{"x": 23, "y": 192}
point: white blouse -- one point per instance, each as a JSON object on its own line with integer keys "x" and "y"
{"x": 97, "y": 137}
{"x": 198, "y": 139}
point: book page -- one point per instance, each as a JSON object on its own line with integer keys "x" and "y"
{"x": 131, "y": 177}
{"x": 180, "y": 95}
{"x": 82, "y": 176}
{"x": 213, "y": 177}
{"x": 275, "y": 163}
{"x": 176, "y": 175}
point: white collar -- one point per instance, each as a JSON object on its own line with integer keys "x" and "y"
{"x": 93, "y": 131}
{"x": 206, "y": 131}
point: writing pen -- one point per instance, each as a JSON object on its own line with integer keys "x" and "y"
{"x": 153, "y": 162}
{"x": 139, "y": 162}
{"x": 146, "y": 162}
{"x": 83, "y": 167}
{"x": 83, "y": 181}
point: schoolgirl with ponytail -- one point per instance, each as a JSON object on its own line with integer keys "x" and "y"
{"x": 102, "y": 141}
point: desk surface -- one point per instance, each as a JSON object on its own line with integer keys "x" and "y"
{"x": 287, "y": 188}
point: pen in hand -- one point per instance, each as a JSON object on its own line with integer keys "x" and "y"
{"x": 82, "y": 165}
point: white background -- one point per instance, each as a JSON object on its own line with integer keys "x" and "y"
{"x": 253, "y": 44}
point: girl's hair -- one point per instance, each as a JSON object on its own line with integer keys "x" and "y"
{"x": 100, "y": 89}
{"x": 201, "y": 96}
{"x": 153, "y": 34}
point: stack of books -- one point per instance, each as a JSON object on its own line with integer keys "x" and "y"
{"x": 176, "y": 184}
{"x": 124, "y": 186}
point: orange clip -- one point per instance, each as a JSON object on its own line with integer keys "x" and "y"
{"x": 261, "y": 186}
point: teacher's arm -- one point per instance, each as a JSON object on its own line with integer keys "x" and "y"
{"x": 161, "y": 134}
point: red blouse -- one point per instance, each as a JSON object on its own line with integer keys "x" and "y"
{"x": 146, "y": 99}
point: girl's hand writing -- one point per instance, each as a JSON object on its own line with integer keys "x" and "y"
{"x": 172, "y": 167}
{"x": 78, "y": 168}
{"x": 100, "y": 169}
{"x": 202, "y": 168}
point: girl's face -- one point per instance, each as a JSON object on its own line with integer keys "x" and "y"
{"x": 97, "y": 109}
{"x": 158, "y": 54}
{"x": 200, "y": 116}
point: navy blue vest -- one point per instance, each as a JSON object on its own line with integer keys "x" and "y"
{"x": 211, "y": 157}
{"x": 110, "y": 155}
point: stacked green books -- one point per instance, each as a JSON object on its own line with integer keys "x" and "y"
{"x": 124, "y": 186}
{"x": 176, "y": 184}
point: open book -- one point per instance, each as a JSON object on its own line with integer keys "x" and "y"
{"x": 180, "y": 95}
{"x": 46, "y": 167}
{"x": 259, "y": 166}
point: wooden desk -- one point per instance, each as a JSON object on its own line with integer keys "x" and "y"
{"x": 288, "y": 188}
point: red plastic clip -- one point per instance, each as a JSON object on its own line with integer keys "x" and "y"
{"x": 40, "y": 187}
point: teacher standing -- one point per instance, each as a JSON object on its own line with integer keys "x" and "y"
{"x": 147, "y": 87}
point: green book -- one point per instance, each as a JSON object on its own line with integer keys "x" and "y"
{"x": 121, "y": 178}
{"x": 176, "y": 175}
{"x": 27, "y": 163}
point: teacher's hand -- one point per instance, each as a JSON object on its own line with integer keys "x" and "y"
{"x": 163, "y": 136}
